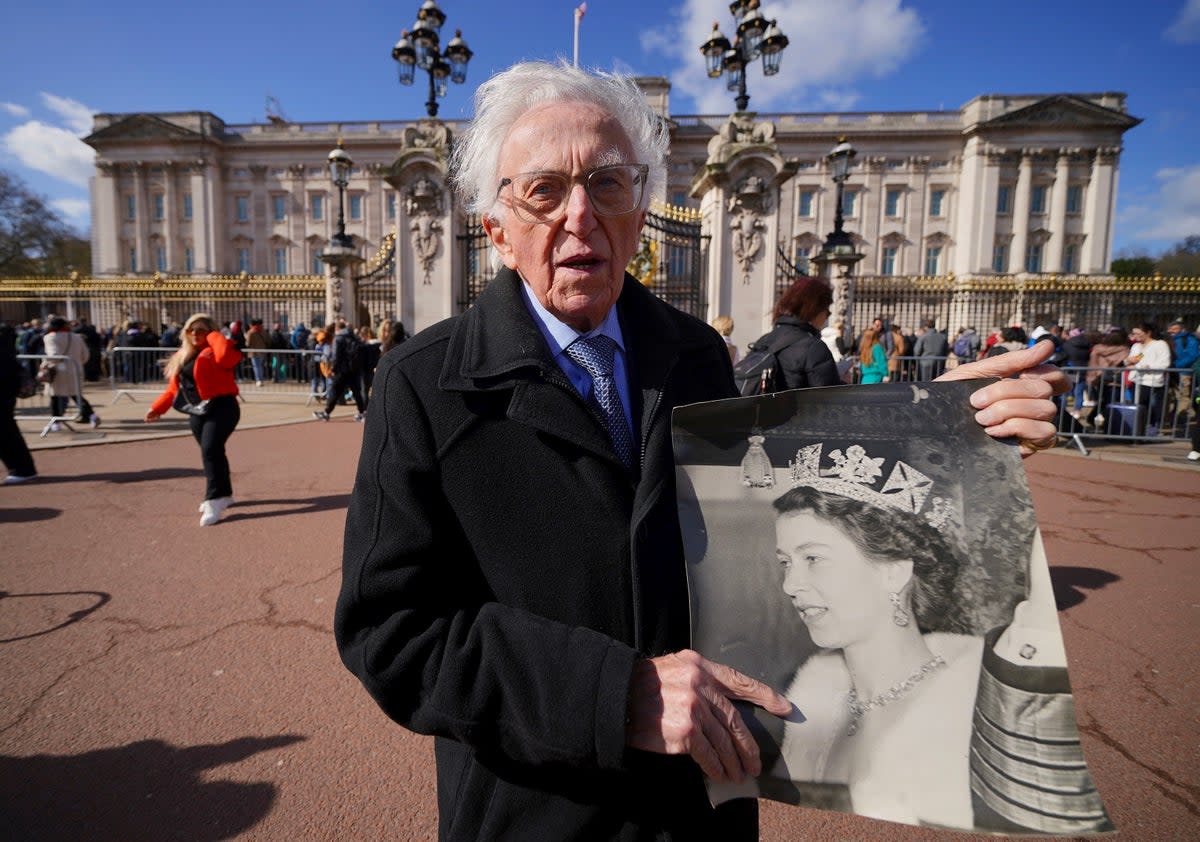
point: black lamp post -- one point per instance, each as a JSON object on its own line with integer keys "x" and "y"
{"x": 420, "y": 47}
{"x": 838, "y": 241}
{"x": 339, "y": 171}
{"x": 756, "y": 36}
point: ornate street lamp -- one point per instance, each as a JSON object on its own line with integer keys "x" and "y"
{"x": 339, "y": 170}
{"x": 420, "y": 47}
{"x": 755, "y": 37}
{"x": 838, "y": 255}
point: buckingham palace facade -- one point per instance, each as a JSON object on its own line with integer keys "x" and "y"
{"x": 1006, "y": 185}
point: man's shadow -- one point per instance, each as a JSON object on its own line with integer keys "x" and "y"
{"x": 249, "y": 509}
{"x": 1071, "y": 582}
{"x": 122, "y": 477}
{"x": 145, "y": 790}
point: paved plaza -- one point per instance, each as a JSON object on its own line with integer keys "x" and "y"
{"x": 162, "y": 681}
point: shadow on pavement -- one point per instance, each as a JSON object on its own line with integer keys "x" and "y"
{"x": 44, "y": 612}
{"x": 300, "y": 506}
{"x": 1071, "y": 582}
{"x": 28, "y": 514}
{"x": 121, "y": 477}
{"x": 145, "y": 790}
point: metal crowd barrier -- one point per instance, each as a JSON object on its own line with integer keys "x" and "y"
{"x": 1114, "y": 407}
{"x": 290, "y": 373}
{"x": 39, "y": 402}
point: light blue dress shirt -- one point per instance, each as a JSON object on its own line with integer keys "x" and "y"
{"x": 559, "y": 335}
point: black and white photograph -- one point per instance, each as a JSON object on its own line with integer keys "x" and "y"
{"x": 874, "y": 555}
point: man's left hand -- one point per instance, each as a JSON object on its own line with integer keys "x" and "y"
{"x": 1019, "y": 407}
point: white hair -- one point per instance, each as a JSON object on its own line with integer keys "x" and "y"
{"x": 507, "y": 96}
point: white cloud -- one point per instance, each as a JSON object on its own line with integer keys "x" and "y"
{"x": 831, "y": 44}
{"x": 1173, "y": 212}
{"x": 76, "y": 115}
{"x": 76, "y": 210}
{"x": 51, "y": 150}
{"x": 15, "y": 110}
{"x": 1185, "y": 29}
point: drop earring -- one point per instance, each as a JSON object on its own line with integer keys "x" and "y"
{"x": 899, "y": 615}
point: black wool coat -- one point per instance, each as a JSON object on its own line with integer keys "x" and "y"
{"x": 807, "y": 361}
{"x": 502, "y": 572}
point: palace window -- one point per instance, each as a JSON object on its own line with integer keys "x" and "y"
{"x": 933, "y": 260}
{"x": 158, "y": 205}
{"x": 131, "y": 209}
{"x": 1037, "y": 199}
{"x": 316, "y": 204}
{"x": 316, "y": 264}
{"x": 160, "y": 258}
{"x": 804, "y": 205}
{"x": 887, "y": 262}
{"x": 133, "y": 258}
{"x": 1071, "y": 258}
{"x": 937, "y": 200}
{"x": 243, "y": 260}
{"x": 280, "y": 255}
{"x": 1000, "y": 257}
{"x": 242, "y": 208}
{"x": 891, "y": 203}
{"x": 391, "y": 205}
{"x": 279, "y": 207}
{"x": 187, "y": 205}
{"x": 189, "y": 259}
{"x": 849, "y": 201}
{"x": 1004, "y": 199}
{"x": 356, "y": 206}
{"x": 1033, "y": 257}
{"x": 1075, "y": 198}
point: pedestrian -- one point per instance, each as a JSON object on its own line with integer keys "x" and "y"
{"x": 345, "y": 360}
{"x": 257, "y": 343}
{"x": 67, "y": 384}
{"x": 201, "y": 384}
{"x": 13, "y": 450}
{"x": 800, "y": 313}
{"x": 724, "y": 326}
{"x": 1150, "y": 356}
{"x": 872, "y": 358}
{"x": 932, "y": 349}
{"x": 513, "y": 572}
{"x": 896, "y": 355}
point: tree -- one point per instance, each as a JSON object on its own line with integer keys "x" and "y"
{"x": 1182, "y": 259}
{"x": 1133, "y": 266}
{"x": 34, "y": 240}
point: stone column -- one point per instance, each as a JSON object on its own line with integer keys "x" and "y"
{"x": 1016, "y": 256}
{"x": 1058, "y": 212}
{"x": 106, "y": 220}
{"x": 141, "y": 226}
{"x": 203, "y": 233}
{"x": 170, "y": 217}
{"x": 739, "y": 191}
{"x": 1098, "y": 210}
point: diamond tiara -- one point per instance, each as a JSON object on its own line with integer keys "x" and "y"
{"x": 855, "y": 474}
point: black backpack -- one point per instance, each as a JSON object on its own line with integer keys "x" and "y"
{"x": 759, "y": 372}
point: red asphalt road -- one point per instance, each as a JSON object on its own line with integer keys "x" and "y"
{"x": 162, "y": 681}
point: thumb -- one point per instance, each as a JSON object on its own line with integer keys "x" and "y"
{"x": 1002, "y": 365}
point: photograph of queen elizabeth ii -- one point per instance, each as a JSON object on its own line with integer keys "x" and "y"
{"x": 871, "y": 553}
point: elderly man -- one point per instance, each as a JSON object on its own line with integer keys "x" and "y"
{"x": 514, "y": 579}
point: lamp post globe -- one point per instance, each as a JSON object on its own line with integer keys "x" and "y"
{"x": 420, "y": 47}
{"x": 754, "y": 37}
{"x": 340, "y": 165}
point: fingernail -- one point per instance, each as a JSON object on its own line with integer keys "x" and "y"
{"x": 985, "y": 417}
{"x": 977, "y": 399}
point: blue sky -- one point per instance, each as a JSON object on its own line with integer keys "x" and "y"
{"x": 65, "y": 59}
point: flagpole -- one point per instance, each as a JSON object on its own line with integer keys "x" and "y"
{"x": 579, "y": 12}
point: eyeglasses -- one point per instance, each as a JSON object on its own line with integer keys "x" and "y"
{"x": 198, "y": 329}
{"x": 541, "y": 197}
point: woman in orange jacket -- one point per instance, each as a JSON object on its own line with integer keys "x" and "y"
{"x": 200, "y": 383}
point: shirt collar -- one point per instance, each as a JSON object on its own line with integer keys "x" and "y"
{"x": 560, "y": 335}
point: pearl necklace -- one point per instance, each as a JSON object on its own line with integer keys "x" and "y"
{"x": 896, "y": 691}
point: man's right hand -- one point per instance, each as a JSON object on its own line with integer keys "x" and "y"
{"x": 679, "y": 704}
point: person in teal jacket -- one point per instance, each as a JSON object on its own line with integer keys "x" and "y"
{"x": 872, "y": 358}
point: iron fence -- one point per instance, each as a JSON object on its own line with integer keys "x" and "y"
{"x": 284, "y": 373}
{"x": 473, "y": 245}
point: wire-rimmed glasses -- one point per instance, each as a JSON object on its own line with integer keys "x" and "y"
{"x": 541, "y": 197}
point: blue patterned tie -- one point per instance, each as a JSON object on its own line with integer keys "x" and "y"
{"x": 595, "y": 356}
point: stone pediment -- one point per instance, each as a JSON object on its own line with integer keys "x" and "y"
{"x": 1064, "y": 111}
{"x": 141, "y": 127}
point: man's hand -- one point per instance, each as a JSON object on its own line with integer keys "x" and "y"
{"x": 679, "y": 704}
{"x": 1022, "y": 407}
